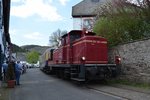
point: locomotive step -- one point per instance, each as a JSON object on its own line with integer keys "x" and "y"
{"x": 73, "y": 69}
{"x": 77, "y": 79}
{"x": 74, "y": 73}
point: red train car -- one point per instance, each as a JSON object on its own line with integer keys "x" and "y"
{"x": 82, "y": 56}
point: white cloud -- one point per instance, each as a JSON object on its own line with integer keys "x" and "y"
{"x": 41, "y": 8}
{"x": 15, "y": 0}
{"x": 34, "y": 36}
{"x": 26, "y": 39}
{"x": 13, "y": 31}
{"x": 50, "y": 1}
{"x": 63, "y": 2}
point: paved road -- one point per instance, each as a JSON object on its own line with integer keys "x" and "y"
{"x": 35, "y": 85}
{"x": 128, "y": 92}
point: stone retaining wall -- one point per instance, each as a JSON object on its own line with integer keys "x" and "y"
{"x": 135, "y": 58}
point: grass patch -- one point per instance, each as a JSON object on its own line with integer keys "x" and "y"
{"x": 129, "y": 83}
{"x": 4, "y": 94}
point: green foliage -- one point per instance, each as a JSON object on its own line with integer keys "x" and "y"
{"x": 4, "y": 93}
{"x": 129, "y": 83}
{"x": 32, "y": 57}
{"x": 28, "y": 47}
{"x": 16, "y": 48}
{"x": 123, "y": 24}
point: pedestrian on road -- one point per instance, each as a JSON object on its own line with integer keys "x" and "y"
{"x": 18, "y": 71}
{"x": 5, "y": 67}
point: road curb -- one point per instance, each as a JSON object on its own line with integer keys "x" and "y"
{"x": 136, "y": 89}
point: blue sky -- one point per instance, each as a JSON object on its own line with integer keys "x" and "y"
{"x": 32, "y": 21}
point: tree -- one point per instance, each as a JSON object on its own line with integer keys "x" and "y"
{"x": 32, "y": 57}
{"x": 123, "y": 21}
{"x": 55, "y": 38}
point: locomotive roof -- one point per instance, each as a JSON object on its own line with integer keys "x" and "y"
{"x": 64, "y": 35}
{"x": 71, "y": 32}
{"x": 79, "y": 31}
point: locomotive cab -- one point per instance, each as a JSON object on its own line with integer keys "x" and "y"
{"x": 81, "y": 45}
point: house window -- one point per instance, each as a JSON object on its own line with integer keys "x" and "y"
{"x": 95, "y": 0}
{"x": 88, "y": 24}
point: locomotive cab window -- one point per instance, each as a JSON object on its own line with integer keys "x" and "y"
{"x": 64, "y": 40}
{"x": 74, "y": 36}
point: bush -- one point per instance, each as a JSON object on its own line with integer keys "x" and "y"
{"x": 122, "y": 24}
{"x": 32, "y": 57}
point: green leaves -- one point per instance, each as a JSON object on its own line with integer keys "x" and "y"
{"x": 32, "y": 57}
{"x": 125, "y": 23}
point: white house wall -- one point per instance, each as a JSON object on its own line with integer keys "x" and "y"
{"x": 83, "y": 22}
{"x": 1, "y": 40}
{"x": 77, "y": 23}
{"x": 1, "y": 27}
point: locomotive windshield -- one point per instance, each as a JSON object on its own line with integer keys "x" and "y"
{"x": 74, "y": 36}
{"x": 63, "y": 42}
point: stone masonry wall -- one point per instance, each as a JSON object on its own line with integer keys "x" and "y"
{"x": 135, "y": 62}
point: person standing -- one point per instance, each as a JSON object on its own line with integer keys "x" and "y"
{"x": 5, "y": 67}
{"x": 18, "y": 71}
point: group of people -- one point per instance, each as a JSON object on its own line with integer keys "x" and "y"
{"x": 17, "y": 69}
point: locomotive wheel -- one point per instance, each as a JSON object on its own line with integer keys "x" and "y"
{"x": 87, "y": 76}
{"x": 61, "y": 74}
{"x": 108, "y": 73}
{"x": 58, "y": 73}
{"x": 66, "y": 74}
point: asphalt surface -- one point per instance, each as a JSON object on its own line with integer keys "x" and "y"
{"x": 35, "y": 85}
{"x": 127, "y": 92}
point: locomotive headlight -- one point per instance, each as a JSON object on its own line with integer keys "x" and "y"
{"x": 86, "y": 32}
{"x": 119, "y": 59}
{"x": 83, "y": 58}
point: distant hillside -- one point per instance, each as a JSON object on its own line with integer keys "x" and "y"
{"x": 22, "y": 51}
{"x": 16, "y": 48}
{"x": 39, "y": 49}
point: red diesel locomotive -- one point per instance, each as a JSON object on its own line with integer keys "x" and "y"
{"x": 82, "y": 56}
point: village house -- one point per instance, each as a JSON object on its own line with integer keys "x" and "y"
{"x": 84, "y": 13}
{"x": 4, "y": 30}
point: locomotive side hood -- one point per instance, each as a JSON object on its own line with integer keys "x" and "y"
{"x": 90, "y": 50}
